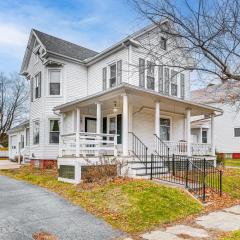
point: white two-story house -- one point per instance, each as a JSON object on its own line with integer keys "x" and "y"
{"x": 121, "y": 102}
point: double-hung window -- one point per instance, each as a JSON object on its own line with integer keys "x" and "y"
{"x": 37, "y": 85}
{"x": 54, "y": 131}
{"x": 54, "y": 82}
{"x": 150, "y": 75}
{"x": 204, "y": 136}
{"x": 36, "y": 130}
{"x": 174, "y": 83}
{"x": 237, "y": 132}
{"x": 165, "y": 125}
{"x": 113, "y": 75}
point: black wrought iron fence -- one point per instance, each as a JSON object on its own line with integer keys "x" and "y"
{"x": 197, "y": 175}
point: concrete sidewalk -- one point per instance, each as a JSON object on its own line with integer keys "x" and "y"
{"x": 205, "y": 227}
{"x": 6, "y": 164}
{"x": 26, "y": 209}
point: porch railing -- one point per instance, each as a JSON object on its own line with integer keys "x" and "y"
{"x": 139, "y": 149}
{"x": 88, "y": 144}
{"x": 201, "y": 149}
{"x": 180, "y": 148}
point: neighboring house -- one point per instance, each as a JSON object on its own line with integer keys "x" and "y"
{"x": 19, "y": 142}
{"x": 85, "y": 103}
{"x": 227, "y": 125}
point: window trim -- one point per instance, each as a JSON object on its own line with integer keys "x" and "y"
{"x": 49, "y": 130}
{"x": 27, "y": 136}
{"x": 48, "y": 87}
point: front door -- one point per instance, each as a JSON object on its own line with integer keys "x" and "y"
{"x": 90, "y": 125}
{"x": 115, "y": 126}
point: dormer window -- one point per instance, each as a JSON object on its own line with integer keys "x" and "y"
{"x": 113, "y": 75}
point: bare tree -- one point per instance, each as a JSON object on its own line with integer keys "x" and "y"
{"x": 13, "y": 96}
{"x": 209, "y": 31}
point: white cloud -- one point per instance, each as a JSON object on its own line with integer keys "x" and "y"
{"x": 12, "y": 36}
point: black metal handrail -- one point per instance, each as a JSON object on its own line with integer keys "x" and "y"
{"x": 197, "y": 175}
{"x": 139, "y": 149}
{"x": 161, "y": 147}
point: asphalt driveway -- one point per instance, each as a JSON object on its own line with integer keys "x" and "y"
{"x": 25, "y": 209}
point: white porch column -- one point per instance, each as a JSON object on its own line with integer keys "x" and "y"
{"x": 60, "y": 153}
{"x": 213, "y": 134}
{"x": 98, "y": 122}
{"x": 77, "y": 133}
{"x": 157, "y": 119}
{"x": 188, "y": 131}
{"x": 130, "y": 123}
{"x": 125, "y": 125}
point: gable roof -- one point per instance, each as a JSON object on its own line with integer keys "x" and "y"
{"x": 217, "y": 93}
{"x": 59, "y": 46}
{"x": 20, "y": 126}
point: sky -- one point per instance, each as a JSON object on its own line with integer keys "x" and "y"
{"x": 95, "y": 24}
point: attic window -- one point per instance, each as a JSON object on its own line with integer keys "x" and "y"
{"x": 163, "y": 43}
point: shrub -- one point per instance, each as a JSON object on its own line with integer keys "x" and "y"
{"x": 220, "y": 158}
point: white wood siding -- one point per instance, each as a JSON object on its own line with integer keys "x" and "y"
{"x": 95, "y": 71}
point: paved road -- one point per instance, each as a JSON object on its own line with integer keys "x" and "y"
{"x": 25, "y": 209}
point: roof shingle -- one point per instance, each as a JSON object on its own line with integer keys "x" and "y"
{"x": 60, "y": 46}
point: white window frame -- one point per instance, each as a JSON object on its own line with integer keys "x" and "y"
{"x": 49, "y": 129}
{"x": 34, "y": 122}
{"x": 48, "y": 85}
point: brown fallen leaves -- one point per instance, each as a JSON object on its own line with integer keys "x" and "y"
{"x": 44, "y": 236}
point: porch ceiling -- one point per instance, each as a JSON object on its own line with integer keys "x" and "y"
{"x": 139, "y": 97}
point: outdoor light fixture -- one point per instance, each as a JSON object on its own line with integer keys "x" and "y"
{"x": 115, "y": 108}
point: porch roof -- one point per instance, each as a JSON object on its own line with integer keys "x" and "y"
{"x": 138, "y": 91}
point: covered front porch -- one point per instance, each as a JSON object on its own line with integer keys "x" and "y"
{"x": 130, "y": 121}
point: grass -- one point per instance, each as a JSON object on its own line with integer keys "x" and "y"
{"x": 231, "y": 182}
{"x": 130, "y": 205}
{"x": 235, "y": 235}
{"x": 232, "y": 162}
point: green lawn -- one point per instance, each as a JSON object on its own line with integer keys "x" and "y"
{"x": 231, "y": 182}
{"x": 235, "y": 235}
{"x": 130, "y": 205}
{"x": 232, "y": 162}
